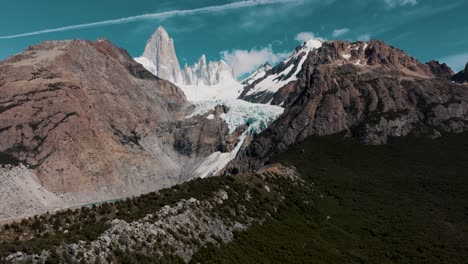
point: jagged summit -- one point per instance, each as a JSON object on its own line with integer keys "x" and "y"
{"x": 160, "y": 59}
{"x": 261, "y": 86}
{"x": 201, "y": 73}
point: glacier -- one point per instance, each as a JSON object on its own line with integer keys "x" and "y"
{"x": 256, "y": 116}
{"x": 207, "y": 85}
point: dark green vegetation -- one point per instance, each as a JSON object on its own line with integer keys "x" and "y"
{"x": 406, "y": 202}
{"x": 48, "y": 231}
{"x": 248, "y": 199}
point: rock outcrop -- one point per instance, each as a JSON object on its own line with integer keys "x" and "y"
{"x": 442, "y": 71}
{"x": 370, "y": 90}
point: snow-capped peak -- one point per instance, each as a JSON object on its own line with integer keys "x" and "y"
{"x": 261, "y": 86}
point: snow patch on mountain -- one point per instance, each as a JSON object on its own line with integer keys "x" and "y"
{"x": 217, "y": 161}
{"x": 259, "y": 73}
{"x": 272, "y": 84}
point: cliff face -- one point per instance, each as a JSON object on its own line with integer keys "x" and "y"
{"x": 370, "y": 90}
{"x": 75, "y": 111}
{"x": 160, "y": 57}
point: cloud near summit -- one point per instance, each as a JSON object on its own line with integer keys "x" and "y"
{"x": 247, "y": 61}
{"x": 305, "y": 36}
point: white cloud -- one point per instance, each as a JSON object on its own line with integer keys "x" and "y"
{"x": 305, "y": 36}
{"x": 364, "y": 37}
{"x": 340, "y": 32}
{"x": 456, "y": 62}
{"x": 395, "y": 3}
{"x": 246, "y": 61}
{"x": 152, "y": 16}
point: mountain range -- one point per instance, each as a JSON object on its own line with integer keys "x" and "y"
{"x": 160, "y": 59}
{"x": 83, "y": 122}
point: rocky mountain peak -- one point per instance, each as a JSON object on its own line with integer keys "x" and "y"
{"x": 267, "y": 81}
{"x": 369, "y": 90}
{"x": 74, "y": 111}
{"x": 160, "y": 57}
{"x": 440, "y": 70}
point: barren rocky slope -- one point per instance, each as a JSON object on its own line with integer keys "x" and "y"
{"x": 371, "y": 90}
{"x": 93, "y": 124}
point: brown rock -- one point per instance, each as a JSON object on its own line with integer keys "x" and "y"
{"x": 376, "y": 93}
{"x": 75, "y": 111}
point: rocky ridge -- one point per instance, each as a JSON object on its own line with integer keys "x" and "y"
{"x": 272, "y": 85}
{"x": 371, "y": 91}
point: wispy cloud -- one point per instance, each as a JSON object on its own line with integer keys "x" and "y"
{"x": 395, "y": 3}
{"x": 153, "y": 16}
{"x": 305, "y": 36}
{"x": 246, "y": 61}
{"x": 340, "y": 32}
{"x": 456, "y": 62}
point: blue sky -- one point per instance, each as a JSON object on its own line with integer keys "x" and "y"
{"x": 246, "y": 33}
